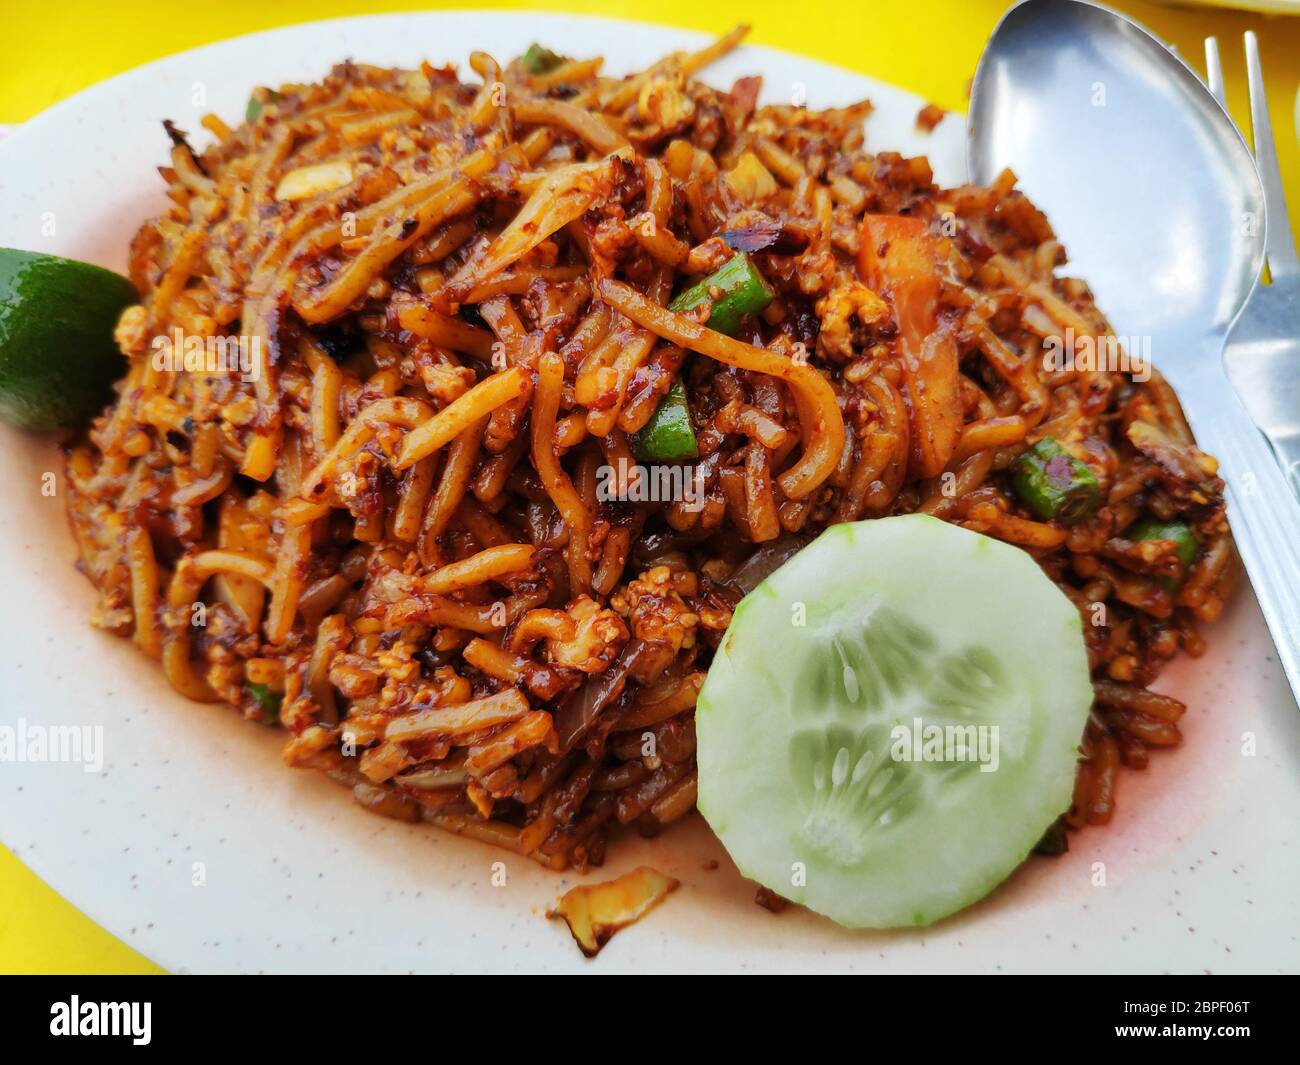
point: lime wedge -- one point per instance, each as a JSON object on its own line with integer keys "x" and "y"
{"x": 57, "y": 355}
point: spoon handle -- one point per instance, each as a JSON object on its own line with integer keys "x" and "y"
{"x": 1265, "y": 517}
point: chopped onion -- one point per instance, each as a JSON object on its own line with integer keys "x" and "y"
{"x": 308, "y": 181}
{"x": 580, "y": 710}
{"x": 435, "y": 778}
{"x": 595, "y": 912}
{"x": 384, "y": 802}
{"x": 461, "y": 718}
{"x": 767, "y": 560}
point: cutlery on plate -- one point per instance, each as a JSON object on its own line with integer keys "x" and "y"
{"x": 1157, "y": 198}
{"x": 1263, "y": 351}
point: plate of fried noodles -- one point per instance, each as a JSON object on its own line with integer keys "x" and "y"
{"x": 362, "y": 589}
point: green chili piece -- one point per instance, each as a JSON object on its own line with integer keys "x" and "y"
{"x": 742, "y": 292}
{"x": 668, "y": 436}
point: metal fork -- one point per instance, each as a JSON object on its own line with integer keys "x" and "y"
{"x": 1262, "y": 354}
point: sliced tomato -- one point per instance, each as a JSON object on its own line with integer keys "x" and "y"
{"x": 898, "y": 259}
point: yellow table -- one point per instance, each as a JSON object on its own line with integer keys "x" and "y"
{"x": 928, "y": 46}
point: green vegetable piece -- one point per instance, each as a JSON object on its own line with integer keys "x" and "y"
{"x": 255, "y": 105}
{"x": 57, "y": 354}
{"x": 845, "y": 733}
{"x": 1186, "y": 546}
{"x": 743, "y": 292}
{"x": 538, "y": 60}
{"x": 269, "y": 701}
{"x": 1185, "y": 543}
{"x": 668, "y": 436}
{"x": 1054, "y": 484}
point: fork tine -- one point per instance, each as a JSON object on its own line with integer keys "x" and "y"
{"x": 1214, "y": 70}
{"x": 1278, "y": 241}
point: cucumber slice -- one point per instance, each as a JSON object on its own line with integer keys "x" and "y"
{"x": 804, "y": 771}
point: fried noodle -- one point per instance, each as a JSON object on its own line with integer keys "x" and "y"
{"x": 383, "y": 533}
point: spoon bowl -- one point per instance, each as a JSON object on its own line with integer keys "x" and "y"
{"x": 1144, "y": 175}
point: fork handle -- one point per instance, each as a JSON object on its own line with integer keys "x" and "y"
{"x": 1265, "y": 518}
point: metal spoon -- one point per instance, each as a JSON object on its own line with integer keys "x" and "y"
{"x": 1150, "y": 186}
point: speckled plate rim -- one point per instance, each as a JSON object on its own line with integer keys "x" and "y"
{"x": 199, "y": 849}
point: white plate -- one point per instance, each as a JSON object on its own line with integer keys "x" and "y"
{"x": 1200, "y": 866}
